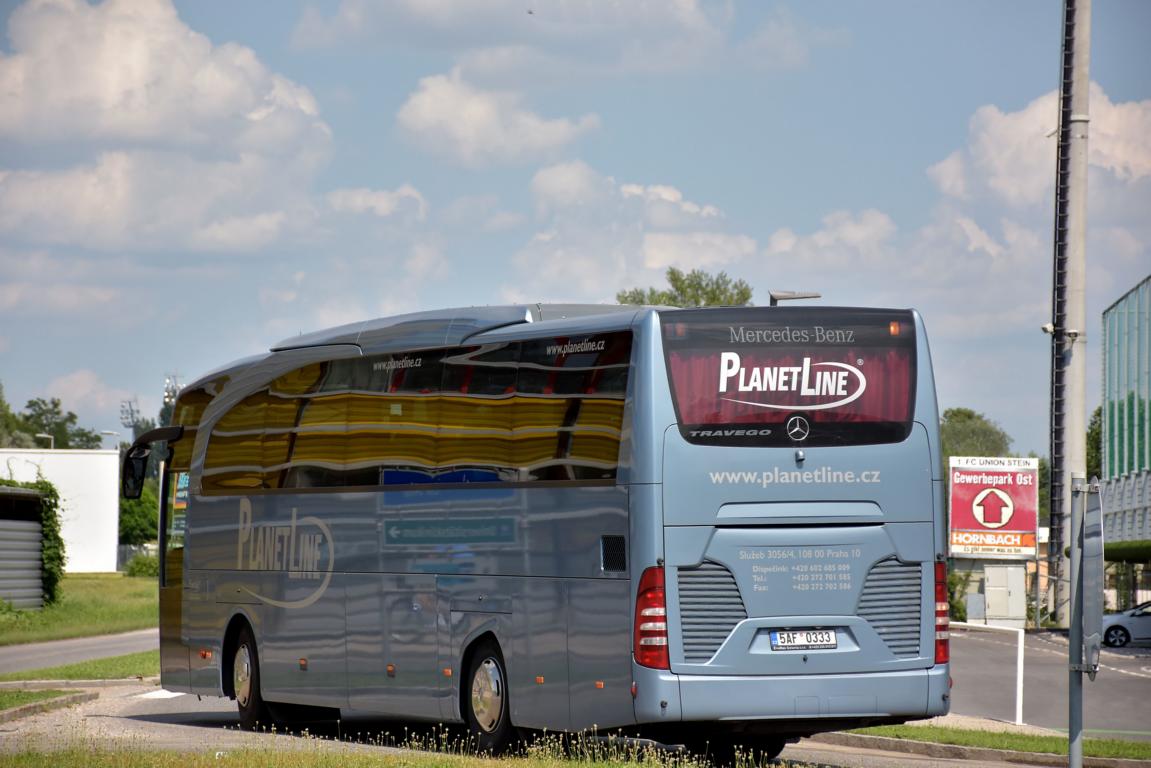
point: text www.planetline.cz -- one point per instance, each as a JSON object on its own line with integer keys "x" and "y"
{"x": 779, "y": 476}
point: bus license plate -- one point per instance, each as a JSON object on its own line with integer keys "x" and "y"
{"x": 802, "y": 639}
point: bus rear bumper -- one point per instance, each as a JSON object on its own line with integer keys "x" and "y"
{"x": 663, "y": 697}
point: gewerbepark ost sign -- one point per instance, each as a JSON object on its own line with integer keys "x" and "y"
{"x": 994, "y": 507}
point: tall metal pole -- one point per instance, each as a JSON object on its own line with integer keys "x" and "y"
{"x": 1073, "y": 337}
{"x": 1069, "y": 310}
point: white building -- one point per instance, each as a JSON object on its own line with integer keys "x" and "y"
{"x": 88, "y": 483}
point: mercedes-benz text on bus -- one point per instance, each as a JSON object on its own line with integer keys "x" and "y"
{"x": 718, "y": 524}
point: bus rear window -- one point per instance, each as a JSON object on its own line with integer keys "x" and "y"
{"x": 768, "y": 376}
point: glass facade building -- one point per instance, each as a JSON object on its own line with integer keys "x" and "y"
{"x": 1127, "y": 416}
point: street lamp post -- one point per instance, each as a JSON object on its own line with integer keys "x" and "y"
{"x": 50, "y": 438}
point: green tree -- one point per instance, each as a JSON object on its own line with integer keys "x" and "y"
{"x": 964, "y": 432}
{"x": 139, "y": 517}
{"x": 693, "y": 289}
{"x": 143, "y": 424}
{"x": 48, "y": 417}
{"x": 13, "y": 433}
{"x": 1095, "y": 444}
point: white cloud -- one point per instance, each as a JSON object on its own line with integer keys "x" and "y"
{"x": 481, "y": 212}
{"x": 694, "y": 250}
{"x": 980, "y": 269}
{"x": 425, "y": 262}
{"x": 642, "y": 36}
{"x": 846, "y": 239}
{"x": 194, "y": 145}
{"x": 665, "y": 207}
{"x": 37, "y": 282}
{"x": 977, "y": 239}
{"x": 570, "y": 185}
{"x": 784, "y": 42}
{"x": 381, "y": 202}
{"x": 131, "y": 70}
{"x": 950, "y": 175}
{"x": 446, "y": 116}
{"x": 597, "y": 236}
{"x": 1120, "y": 136}
{"x": 505, "y": 41}
{"x": 84, "y": 390}
{"x": 56, "y": 299}
{"x": 1011, "y": 154}
{"x": 161, "y": 200}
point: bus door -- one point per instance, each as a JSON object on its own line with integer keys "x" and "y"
{"x": 170, "y": 449}
{"x": 799, "y": 494}
{"x": 174, "y": 661}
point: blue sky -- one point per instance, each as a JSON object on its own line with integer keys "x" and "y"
{"x": 184, "y": 184}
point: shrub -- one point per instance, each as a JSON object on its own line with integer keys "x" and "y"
{"x": 957, "y": 582}
{"x": 144, "y": 565}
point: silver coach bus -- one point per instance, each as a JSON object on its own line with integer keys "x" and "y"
{"x": 718, "y": 524}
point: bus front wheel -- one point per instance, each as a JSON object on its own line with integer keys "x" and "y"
{"x": 486, "y": 699}
{"x": 246, "y": 683}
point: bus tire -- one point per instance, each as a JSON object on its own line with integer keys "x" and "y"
{"x": 485, "y": 699}
{"x": 246, "y": 683}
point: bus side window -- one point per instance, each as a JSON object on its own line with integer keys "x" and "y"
{"x": 177, "y": 524}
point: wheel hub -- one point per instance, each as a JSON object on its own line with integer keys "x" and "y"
{"x": 242, "y": 675}
{"x": 488, "y": 695}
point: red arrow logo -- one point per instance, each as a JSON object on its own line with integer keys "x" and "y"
{"x": 993, "y": 508}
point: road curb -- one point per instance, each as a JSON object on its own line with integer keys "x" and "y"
{"x": 36, "y": 707}
{"x": 956, "y": 752}
{"x": 32, "y": 685}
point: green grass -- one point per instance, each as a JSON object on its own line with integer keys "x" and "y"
{"x": 91, "y": 604}
{"x": 1135, "y": 750}
{"x": 10, "y": 699}
{"x": 322, "y": 755}
{"x": 245, "y": 758}
{"x": 143, "y": 664}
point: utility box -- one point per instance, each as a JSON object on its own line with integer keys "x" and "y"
{"x": 1005, "y": 594}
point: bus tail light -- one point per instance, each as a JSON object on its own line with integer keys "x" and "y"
{"x": 651, "y": 621}
{"x": 942, "y": 620}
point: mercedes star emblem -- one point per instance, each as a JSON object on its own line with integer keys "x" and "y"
{"x": 798, "y": 428}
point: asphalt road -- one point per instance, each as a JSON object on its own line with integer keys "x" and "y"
{"x": 138, "y": 716}
{"x": 1116, "y": 705}
{"x": 14, "y": 658}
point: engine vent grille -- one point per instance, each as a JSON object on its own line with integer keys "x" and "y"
{"x": 613, "y": 554}
{"x": 709, "y": 608}
{"x": 892, "y": 603}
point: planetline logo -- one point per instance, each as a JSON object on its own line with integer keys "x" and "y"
{"x": 829, "y": 379}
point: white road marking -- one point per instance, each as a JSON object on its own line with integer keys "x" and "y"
{"x": 160, "y": 694}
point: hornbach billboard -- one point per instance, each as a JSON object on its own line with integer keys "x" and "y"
{"x": 994, "y": 507}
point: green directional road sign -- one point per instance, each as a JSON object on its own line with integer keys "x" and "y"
{"x": 475, "y": 530}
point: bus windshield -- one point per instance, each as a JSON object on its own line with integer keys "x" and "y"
{"x": 738, "y": 376}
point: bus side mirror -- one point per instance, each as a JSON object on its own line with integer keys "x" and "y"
{"x": 134, "y": 470}
{"x": 135, "y": 467}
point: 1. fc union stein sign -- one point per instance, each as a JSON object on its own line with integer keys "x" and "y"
{"x": 994, "y": 507}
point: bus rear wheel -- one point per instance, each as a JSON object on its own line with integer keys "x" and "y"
{"x": 485, "y": 699}
{"x": 246, "y": 683}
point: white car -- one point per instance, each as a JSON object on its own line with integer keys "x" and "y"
{"x": 1132, "y": 625}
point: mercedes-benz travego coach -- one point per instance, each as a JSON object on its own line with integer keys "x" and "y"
{"x": 720, "y": 524}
